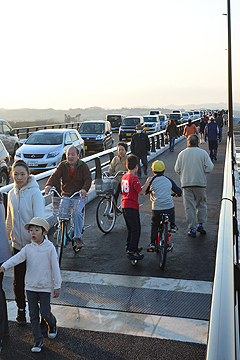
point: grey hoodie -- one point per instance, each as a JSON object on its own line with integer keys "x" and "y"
{"x": 23, "y": 205}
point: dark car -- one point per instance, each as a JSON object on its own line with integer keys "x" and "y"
{"x": 4, "y": 165}
{"x": 8, "y": 137}
{"x": 97, "y": 135}
{"x": 115, "y": 120}
{"x": 177, "y": 117}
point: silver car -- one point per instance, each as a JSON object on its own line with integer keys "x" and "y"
{"x": 45, "y": 149}
{"x": 8, "y": 137}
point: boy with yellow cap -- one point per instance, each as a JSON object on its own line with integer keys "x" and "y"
{"x": 160, "y": 189}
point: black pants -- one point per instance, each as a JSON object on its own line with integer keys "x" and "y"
{"x": 156, "y": 217}
{"x": 3, "y": 310}
{"x": 132, "y": 219}
{"x": 19, "y": 283}
{"x": 143, "y": 158}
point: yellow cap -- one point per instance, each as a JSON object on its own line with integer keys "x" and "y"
{"x": 158, "y": 166}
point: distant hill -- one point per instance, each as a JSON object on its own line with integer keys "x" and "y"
{"x": 17, "y": 117}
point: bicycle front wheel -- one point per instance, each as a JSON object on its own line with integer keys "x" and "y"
{"x": 163, "y": 244}
{"x": 106, "y": 215}
{"x": 60, "y": 241}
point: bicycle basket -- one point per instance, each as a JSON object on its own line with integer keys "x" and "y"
{"x": 64, "y": 207}
{"x": 106, "y": 186}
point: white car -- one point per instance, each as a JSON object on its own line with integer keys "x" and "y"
{"x": 196, "y": 114}
{"x": 185, "y": 116}
{"x": 190, "y": 113}
{"x": 152, "y": 123}
{"x": 45, "y": 149}
{"x": 163, "y": 121}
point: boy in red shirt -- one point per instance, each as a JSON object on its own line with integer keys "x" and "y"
{"x": 131, "y": 187}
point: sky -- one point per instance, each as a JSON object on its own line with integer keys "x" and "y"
{"x": 113, "y": 54}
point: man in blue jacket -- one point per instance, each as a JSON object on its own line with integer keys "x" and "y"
{"x": 212, "y": 131}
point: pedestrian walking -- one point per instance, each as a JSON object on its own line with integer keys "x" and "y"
{"x": 25, "y": 201}
{"x": 189, "y": 129}
{"x": 212, "y": 131}
{"x": 172, "y": 133}
{"x": 219, "y": 122}
{"x": 42, "y": 274}
{"x": 5, "y": 254}
{"x": 140, "y": 146}
{"x": 202, "y": 129}
{"x": 192, "y": 165}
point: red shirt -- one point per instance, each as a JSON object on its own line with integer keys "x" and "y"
{"x": 71, "y": 172}
{"x": 130, "y": 186}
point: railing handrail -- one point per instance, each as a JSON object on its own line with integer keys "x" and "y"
{"x": 222, "y": 339}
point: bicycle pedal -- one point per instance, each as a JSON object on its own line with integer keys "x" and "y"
{"x": 170, "y": 247}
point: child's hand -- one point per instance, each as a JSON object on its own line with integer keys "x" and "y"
{"x": 149, "y": 179}
{"x": 2, "y": 269}
{"x": 56, "y": 293}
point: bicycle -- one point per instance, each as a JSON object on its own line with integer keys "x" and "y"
{"x": 64, "y": 208}
{"x": 107, "y": 209}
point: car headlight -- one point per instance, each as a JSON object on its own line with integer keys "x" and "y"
{"x": 52, "y": 154}
{"x": 18, "y": 154}
{"x": 99, "y": 137}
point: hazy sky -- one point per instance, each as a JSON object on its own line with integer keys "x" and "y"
{"x": 113, "y": 54}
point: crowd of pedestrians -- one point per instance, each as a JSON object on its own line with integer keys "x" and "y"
{"x": 34, "y": 257}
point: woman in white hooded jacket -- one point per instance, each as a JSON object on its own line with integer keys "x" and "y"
{"x": 25, "y": 201}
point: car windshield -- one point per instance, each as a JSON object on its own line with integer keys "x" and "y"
{"x": 175, "y": 116}
{"x": 91, "y": 128}
{"x": 149, "y": 119}
{"x": 44, "y": 138}
{"x": 114, "y": 118}
{"x": 131, "y": 122}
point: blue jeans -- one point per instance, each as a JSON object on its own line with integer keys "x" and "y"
{"x": 43, "y": 298}
{"x": 172, "y": 143}
{"x": 220, "y": 134}
{"x": 78, "y": 219}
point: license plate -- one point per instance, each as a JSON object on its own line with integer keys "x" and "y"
{"x": 128, "y": 134}
{"x": 33, "y": 163}
{"x": 85, "y": 147}
{"x": 147, "y": 128}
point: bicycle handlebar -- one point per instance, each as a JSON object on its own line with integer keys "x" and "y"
{"x": 54, "y": 190}
{"x": 113, "y": 176}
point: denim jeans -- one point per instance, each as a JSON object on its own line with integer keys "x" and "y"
{"x": 78, "y": 219}
{"x": 43, "y": 298}
{"x": 172, "y": 143}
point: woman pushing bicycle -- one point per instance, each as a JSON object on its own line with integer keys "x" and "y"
{"x": 75, "y": 176}
{"x": 160, "y": 189}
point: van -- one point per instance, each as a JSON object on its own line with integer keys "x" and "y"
{"x": 163, "y": 121}
{"x": 115, "y": 120}
{"x": 152, "y": 123}
{"x": 128, "y": 127}
{"x": 154, "y": 112}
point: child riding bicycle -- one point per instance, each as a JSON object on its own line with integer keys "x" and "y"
{"x": 160, "y": 189}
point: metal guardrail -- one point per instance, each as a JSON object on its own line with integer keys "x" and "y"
{"x": 25, "y": 132}
{"x": 223, "y": 340}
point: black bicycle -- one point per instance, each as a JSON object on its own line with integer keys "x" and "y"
{"x": 163, "y": 245}
{"x": 107, "y": 209}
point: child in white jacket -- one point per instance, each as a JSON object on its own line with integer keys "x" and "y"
{"x": 42, "y": 275}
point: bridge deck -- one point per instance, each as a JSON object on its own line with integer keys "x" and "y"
{"x": 103, "y": 292}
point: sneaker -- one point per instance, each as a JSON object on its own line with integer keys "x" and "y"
{"x": 128, "y": 251}
{"x": 52, "y": 333}
{"x": 201, "y": 229}
{"x": 21, "y": 317}
{"x": 192, "y": 232}
{"x": 37, "y": 347}
{"x": 173, "y": 228}
{"x": 79, "y": 243}
{"x": 151, "y": 247}
{"x": 135, "y": 255}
